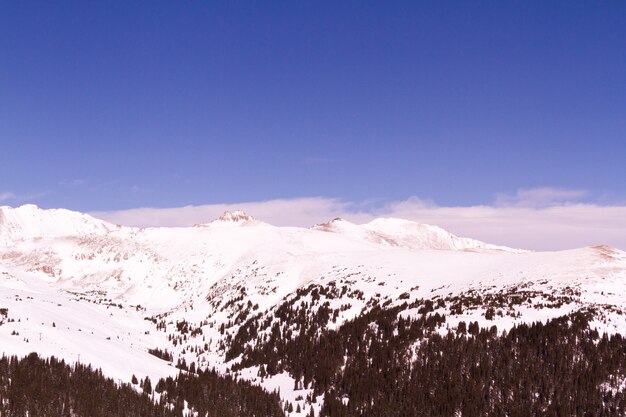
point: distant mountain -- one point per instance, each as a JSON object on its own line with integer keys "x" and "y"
{"x": 407, "y": 234}
{"x": 245, "y": 297}
{"x": 30, "y": 222}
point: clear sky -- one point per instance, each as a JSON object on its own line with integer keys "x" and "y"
{"x": 114, "y": 105}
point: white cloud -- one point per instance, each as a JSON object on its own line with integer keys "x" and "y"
{"x": 552, "y": 222}
{"x": 292, "y": 212}
{"x": 558, "y": 226}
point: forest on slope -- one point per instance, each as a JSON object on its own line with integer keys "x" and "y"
{"x": 379, "y": 364}
{"x": 384, "y": 364}
{"x": 37, "y": 387}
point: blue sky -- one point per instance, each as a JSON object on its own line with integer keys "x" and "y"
{"x": 114, "y": 105}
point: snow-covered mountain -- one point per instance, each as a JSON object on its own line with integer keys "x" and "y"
{"x": 31, "y": 222}
{"x": 76, "y": 286}
{"x": 407, "y": 234}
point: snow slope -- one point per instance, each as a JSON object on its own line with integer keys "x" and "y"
{"x": 42, "y": 319}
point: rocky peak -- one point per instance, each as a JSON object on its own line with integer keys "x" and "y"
{"x": 238, "y": 216}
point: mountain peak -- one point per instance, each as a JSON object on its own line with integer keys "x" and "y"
{"x": 24, "y": 208}
{"x": 237, "y": 216}
{"x": 231, "y": 218}
{"x": 334, "y": 225}
{"x": 29, "y": 221}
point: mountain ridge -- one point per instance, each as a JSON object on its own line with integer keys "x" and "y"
{"x": 29, "y": 221}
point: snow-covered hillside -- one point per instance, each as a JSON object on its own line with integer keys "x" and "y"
{"x": 75, "y": 286}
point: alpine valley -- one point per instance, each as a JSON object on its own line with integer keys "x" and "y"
{"x": 237, "y": 317}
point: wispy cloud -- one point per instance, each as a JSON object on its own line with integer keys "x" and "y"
{"x": 541, "y": 197}
{"x": 21, "y": 198}
{"x": 535, "y": 219}
{"x": 6, "y": 196}
{"x": 76, "y": 182}
{"x": 288, "y": 212}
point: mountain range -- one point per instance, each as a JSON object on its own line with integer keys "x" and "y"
{"x": 150, "y": 301}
